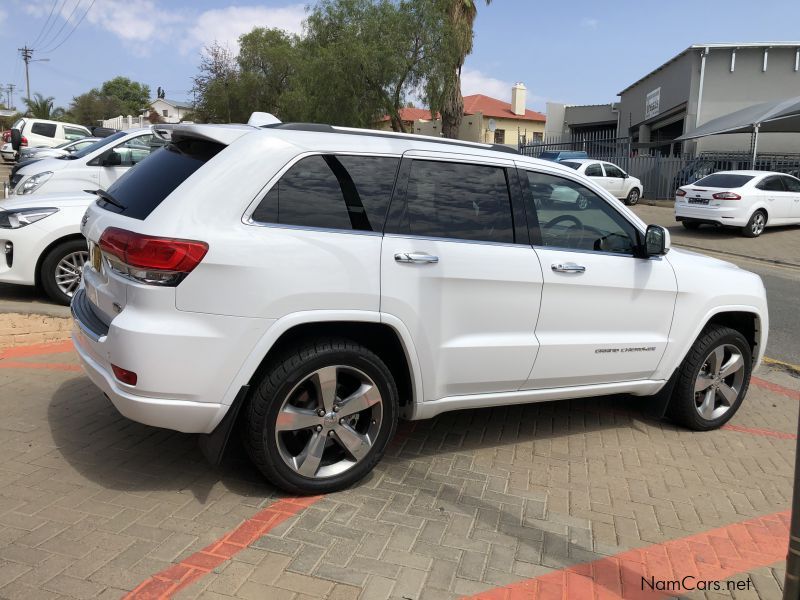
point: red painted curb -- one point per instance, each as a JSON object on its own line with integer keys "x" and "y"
{"x": 774, "y": 387}
{"x": 37, "y": 349}
{"x": 192, "y": 568}
{"x": 5, "y": 364}
{"x": 713, "y": 555}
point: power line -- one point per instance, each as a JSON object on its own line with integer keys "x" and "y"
{"x": 64, "y": 24}
{"x": 74, "y": 28}
{"x": 47, "y": 21}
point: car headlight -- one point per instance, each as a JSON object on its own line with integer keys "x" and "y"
{"x": 33, "y": 182}
{"x": 14, "y": 219}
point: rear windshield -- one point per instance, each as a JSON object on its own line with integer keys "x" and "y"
{"x": 724, "y": 180}
{"x": 548, "y": 155}
{"x": 145, "y": 186}
{"x": 571, "y": 165}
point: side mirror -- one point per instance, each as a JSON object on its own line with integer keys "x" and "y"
{"x": 656, "y": 241}
{"x": 112, "y": 159}
{"x": 625, "y": 175}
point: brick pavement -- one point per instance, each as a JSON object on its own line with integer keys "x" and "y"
{"x": 93, "y": 505}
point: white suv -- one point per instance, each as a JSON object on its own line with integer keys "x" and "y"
{"x": 313, "y": 284}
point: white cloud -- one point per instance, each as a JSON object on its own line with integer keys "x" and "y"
{"x": 3, "y": 15}
{"x": 589, "y": 23}
{"x": 475, "y": 82}
{"x": 225, "y": 25}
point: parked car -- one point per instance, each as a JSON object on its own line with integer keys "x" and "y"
{"x": 42, "y": 243}
{"x": 750, "y": 200}
{"x": 96, "y": 166}
{"x": 611, "y": 177}
{"x": 559, "y": 155}
{"x": 30, "y": 132}
{"x": 319, "y": 282}
{"x": 59, "y": 151}
{"x": 7, "y": 152}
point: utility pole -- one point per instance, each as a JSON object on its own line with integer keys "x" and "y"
{"x": 27, "y": 55}
{"x": 10, "y": 95}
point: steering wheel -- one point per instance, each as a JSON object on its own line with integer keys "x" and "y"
{"x": 555, "y": 221}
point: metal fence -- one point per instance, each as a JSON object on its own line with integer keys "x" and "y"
{"x": 661, "y": 175}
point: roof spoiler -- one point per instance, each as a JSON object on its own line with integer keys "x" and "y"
{"x": 259, "y": 119}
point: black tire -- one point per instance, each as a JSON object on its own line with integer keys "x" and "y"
{"x": 690, "y": 225}
{"x": 755, "y": 226}
{"x": 47, "y": 270}
{"x": 683, "y": 406}
{"x": 275, "y": 384}
{"x": 633, "y": 197}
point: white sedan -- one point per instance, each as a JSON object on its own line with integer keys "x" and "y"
{"x": 750, "y": 200}
{"x": 41, "y": 239}
{"x": 610, "y": 177}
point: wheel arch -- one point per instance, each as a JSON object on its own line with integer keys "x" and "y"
{"x": 47, "y": 249}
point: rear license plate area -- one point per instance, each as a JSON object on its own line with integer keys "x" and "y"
{"x": 698, "y": 200}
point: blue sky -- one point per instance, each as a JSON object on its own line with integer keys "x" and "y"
{"x": 575, "y": 52}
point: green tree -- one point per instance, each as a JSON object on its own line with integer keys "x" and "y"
{"x": 135, "y": 96}
{"x": 216, "y": 86}
{"x": 118, "y": 96}
{"x": 39, "y": 107}
{"x": 444, "y": 88}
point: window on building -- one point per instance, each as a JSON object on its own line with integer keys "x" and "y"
{"x": 537, "y": 136}
{"x": 459, "y": 201}
{"x": 165, "y": 113}
{"x": 499, "y": 136}
{"x": 332, "y": 192}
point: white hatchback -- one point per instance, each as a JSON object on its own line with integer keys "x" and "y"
{"x": 750, "y": 200}
{"x": 609, "y": 176}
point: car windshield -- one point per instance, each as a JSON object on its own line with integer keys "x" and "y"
{"x": 97, "y": 145}
{"x": 724, "y": 180}
{"x": 571, "y": 165}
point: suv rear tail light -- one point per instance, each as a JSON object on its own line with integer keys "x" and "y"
{"x": 680, "y": 192}
{"x": 23, "y": 141}
{"x": 726, "y": 196}
{"x": 124, "y": 375}
{"x": 149, "y": 259}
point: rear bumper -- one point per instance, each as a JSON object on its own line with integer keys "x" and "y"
{"x": 733, "y": 216}
{"x": 186, "y": 363}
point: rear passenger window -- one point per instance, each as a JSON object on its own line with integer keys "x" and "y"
{"x": 771, "y": 184}
{"x": 45, "y": 129}
{"x": 332, "y": 192}
{"x": 460, "y": 201}
{"x": 594, "y": 170}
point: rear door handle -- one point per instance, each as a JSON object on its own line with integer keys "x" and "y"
{"x": 417, "y": 258}
{"x": 569, "y": 267}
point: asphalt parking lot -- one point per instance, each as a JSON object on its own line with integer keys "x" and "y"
{"x": 580, "y": 497}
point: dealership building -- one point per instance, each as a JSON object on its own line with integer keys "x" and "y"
{"x": 703, "y": 82}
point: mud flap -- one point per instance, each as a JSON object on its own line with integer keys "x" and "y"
{"x": 659, "y": 403}
{"x": 213, "y": 444}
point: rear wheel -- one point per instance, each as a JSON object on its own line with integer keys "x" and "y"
{"x": 691, "y": 225}
{"x": 712, "y": 380}
{"x": 633, "y": 197}
{"x": 319, "y": 419}
{"x": 61, "y": 270}
{"x": 755, "y": 226}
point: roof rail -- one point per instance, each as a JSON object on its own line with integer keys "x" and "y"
{"x": 323, "y": 128}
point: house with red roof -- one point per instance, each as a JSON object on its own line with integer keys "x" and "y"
{"x": 486, "y": 119}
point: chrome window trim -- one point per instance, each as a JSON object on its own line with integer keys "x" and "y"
{"x": 454, "y": 240}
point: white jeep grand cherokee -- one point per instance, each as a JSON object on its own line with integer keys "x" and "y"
{"x": 312, "y": 284}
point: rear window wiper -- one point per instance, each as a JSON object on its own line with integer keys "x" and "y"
{"x": 106, "y": 197}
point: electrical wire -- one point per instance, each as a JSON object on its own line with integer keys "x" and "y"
{"x": 47, "y": 22}
{"x": 64, "y": 24}
{"x": 76, "y": 26}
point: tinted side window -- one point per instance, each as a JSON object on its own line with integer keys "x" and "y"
{"x": 791, "y": 184}
{"x": 570, "y": 215}
{"x": 771, "y": 184}
{"x": 73, "y": 133}
{"x": 612, "y": 171}
{"x": 333, "y": 192}
{"x": 460, "y": 201}
{"x": 45, "y": 129}
{"x": 594, "y": 170}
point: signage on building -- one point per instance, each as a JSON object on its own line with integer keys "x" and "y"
{"x": 652, "y": 104}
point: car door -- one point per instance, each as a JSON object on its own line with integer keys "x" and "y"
{"x": 594, "y": 171}
{"x": 458, "y": 271}
{"x": 605, "y": 314}
{"x": 124, "y": 155}
{"x": 777, "y": 199}
{"x": 792, "y": 186}
{"x": 615, "y": 180}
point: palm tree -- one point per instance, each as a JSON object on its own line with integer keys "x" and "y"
{"x": 461, "y": 16}
{"x": 40, "y": 107}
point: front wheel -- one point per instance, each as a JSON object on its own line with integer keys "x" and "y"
{"x": 319, "y": 419}
{"x": 712, "y": 380}
{"x": 690, "y": 225}
{"x": 62, "y": 268}
{"x": 633, "y": 197}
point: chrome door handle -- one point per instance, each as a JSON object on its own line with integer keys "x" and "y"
{"x": 417, "y": 258}
{"x": 569, "y": 267}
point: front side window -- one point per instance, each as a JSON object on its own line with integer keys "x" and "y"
{"x": 612, "y": 171}
{"x": 44, "y": 129}
{"x": 572, "y": 216}
{"x": 136, "y": 149}
{"x": 791, "y": 184}
{"x": 594, "y": 170}
{"x": 332, "y": 192}
{"x": 458, "y": 201}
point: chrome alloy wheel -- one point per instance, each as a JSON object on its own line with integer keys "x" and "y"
{"x": 719, "y": 382}
{"x": 329, "y": 421}
{"x": 759, "y": 222}
{"x": 69, "y": 270}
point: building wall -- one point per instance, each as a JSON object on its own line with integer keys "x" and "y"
{"x": 470, "y": 130}
{"x": 174, "y": 114}
{"x": 725, "y": 92}
{"x": 512, "y": 128}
